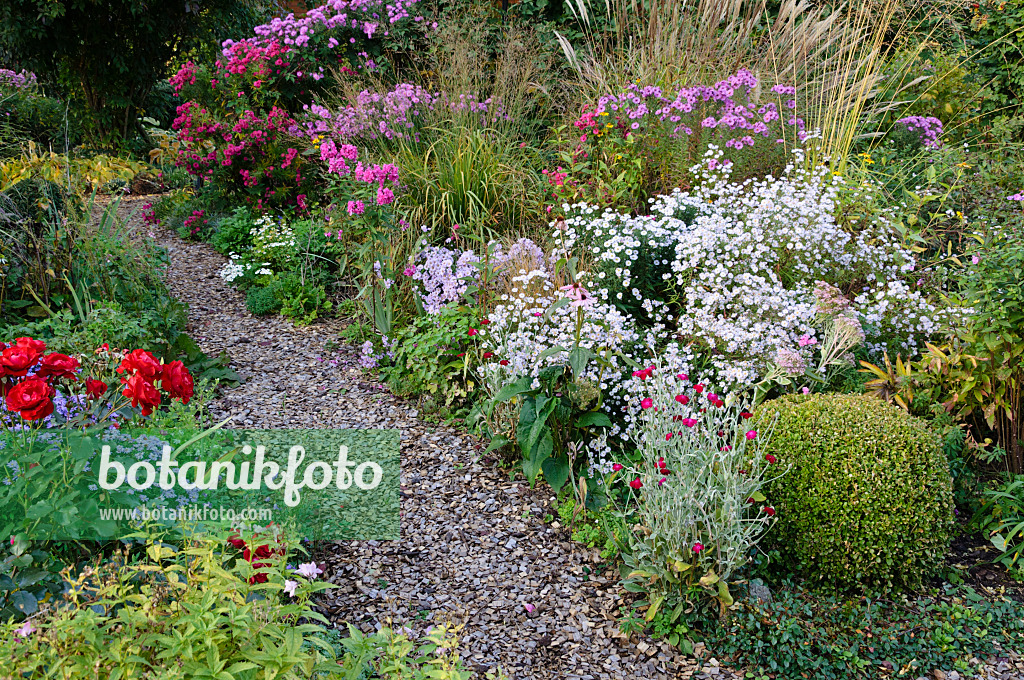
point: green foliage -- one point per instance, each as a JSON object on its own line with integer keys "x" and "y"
{"x": 435, "y": 355}
{"x": 998, "y": 39}
{"x": 107, "y": 56}
{"x": 990, "y": 380}
{"x": 594, "y": 528}
{"x": 261, "y": 301}
{"x": 804, "y": 635}
{"x": 867, "y": 502}
{"x": 1001, "y": 519}
{"x": 41, "y": 119}
{"x": 232, "y": 234}
{"x": 194, "y": 610}
{"x": 557, "y": 419}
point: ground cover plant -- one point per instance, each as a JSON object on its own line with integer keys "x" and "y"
{"x": 740, "y": 286}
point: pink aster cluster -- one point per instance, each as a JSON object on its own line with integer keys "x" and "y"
{"x": 726, "y": 105}
{"x": 927, "y": 128}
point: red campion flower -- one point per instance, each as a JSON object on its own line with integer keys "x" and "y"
{"x": 94, "y": 389}
{"x": 141, "y": 392}
{"x": 177, "y": 381}
{"x": 770, "y": 458}
{"x": 682, "y": 399}
{"x": 636, "y": 484}
{"x": 58, "y": 365}
{"x": 141, "y": 362}
{"x": 32, "y": 398}
{"x": 769, "y": 510}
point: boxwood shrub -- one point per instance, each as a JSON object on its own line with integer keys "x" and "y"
{"x": 867, "y": 502}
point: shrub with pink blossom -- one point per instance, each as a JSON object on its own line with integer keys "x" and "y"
{"x": 236, "y": 122}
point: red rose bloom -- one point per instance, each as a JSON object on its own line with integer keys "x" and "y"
{"x": 16, "y": 360}
{"x": 37, "y": 346}
{"x": 32, "y": 398}
{"x": 141, "y": 362}
{"x": 177, "y": 381}
{"x": 94, "y": 389}
{"x": 58, "y": 366}
{"x": 141, "y": 392}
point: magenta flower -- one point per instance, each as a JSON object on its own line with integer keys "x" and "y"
{"x": 647, "y": 403}
{"x": 752, "y": 434}
{"x": 697, "y": 547}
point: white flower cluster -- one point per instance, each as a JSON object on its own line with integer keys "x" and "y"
{"x": 730, "y": 268}
{"x": 237, "y": 267}
{"x": 521, "y": 329}
{"x": 272, "y": 240}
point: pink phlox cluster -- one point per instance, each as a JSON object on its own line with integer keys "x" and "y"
{"x": 396, "y": 114}
{"x": 362, "y": 16}
{"x": 727, "y": 105}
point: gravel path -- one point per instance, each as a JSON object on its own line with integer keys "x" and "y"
{"x": 474, "y": 548}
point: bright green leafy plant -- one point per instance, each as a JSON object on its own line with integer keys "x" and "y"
{"x": 868, "y": 501}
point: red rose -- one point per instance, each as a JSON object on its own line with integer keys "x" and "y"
{"x": 58, "y": 366}
{"x": 94, "y": 389}
{"x": 236, "y": 541}
{"x": 16, "y": 360}
{"x": 32, "y": 398}
{"x": 140, "y": 362}
{"x": 177, "y": 381}
{"x": 141, "y": 392}
{"x": 37, "y": 346}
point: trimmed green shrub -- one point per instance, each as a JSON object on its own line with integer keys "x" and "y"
{"x": 263, "y": 301}
{"x": 867, "y": 502}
